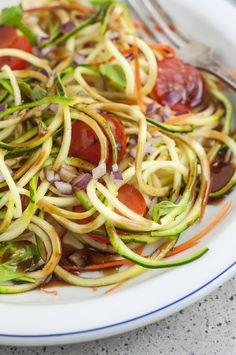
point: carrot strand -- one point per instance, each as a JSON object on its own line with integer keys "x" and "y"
{"x": 197, "y": 238}
{"x": 178, "y": 119}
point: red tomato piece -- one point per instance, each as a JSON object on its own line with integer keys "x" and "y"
{"x": 8, "y": 35}
{"x": 132, "y": 199}
{"x": 12, "y": 40}
{"x": 85, "y": 143}
{"x": 179, "y": 85}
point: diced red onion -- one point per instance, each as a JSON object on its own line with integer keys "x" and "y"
{"x": 148, "y": 149}
{"x": 99, "y": 171}
{"x": 41, "y": 39}
{"x": 79, "y": 58}
{"x": 3, "y": 107}
{"x": 116, "y": 175}
{"x": 167, "y": 112}
{"x": 57, "y": 177}
{"x": 82, "y": 181}
{"x": 130, "y": 57}
{"x": 67, "y": 27}
{"x": 152, "y": 108}
{"x": 133, "y": 152}
{"x": 68, "y": 173}
{"x": 115, "y": 168}
{"x": 50, "y": 175}
{"x": 64, "y": 187}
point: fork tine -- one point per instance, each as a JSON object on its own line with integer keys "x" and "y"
{"x": 170, "y": 21}
{"x": 139, "y": 12}
{"x": 152, "y": 8}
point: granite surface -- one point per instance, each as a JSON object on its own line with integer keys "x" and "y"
{"x": 206, "y": 328}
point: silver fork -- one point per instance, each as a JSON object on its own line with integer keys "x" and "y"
{"x": 187, "y": 48}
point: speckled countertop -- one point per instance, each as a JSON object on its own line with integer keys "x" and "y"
{"x": 208, "y": 327}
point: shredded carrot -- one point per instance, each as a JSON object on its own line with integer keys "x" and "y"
{"x": 82, "y": 9}
{"x": 128, "y": 101}
{"x": 164, "y": 49}
{"x": 94, "y": 267}
{"x": 137, "y": 75}
{"x": 197, "y": 238}
{"x": 52, "y": 292}
{"x": 176, "y": 120}
{"x": 114, "y": 288}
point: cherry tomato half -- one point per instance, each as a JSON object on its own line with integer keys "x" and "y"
{"x": 85, "y": 143}
{"x": 179, "y": 85}
{"x": 132, "y": 199}
{"x": 10, "y": 39}
{"x": 8, "y": 35}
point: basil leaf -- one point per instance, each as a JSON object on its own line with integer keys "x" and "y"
{"x": 162, "y": 209}
{"x": 9, "y": 272}
{"x": 115, "y": 73}
{"x": 13, "y": 16}
{"x": 13, "y": 255}
{"x": 102, "y": 3}
{"x": 38, "y": 93}
{"x": 25, "y": 89}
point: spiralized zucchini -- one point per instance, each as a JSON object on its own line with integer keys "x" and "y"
{"x": 87, "y": 66}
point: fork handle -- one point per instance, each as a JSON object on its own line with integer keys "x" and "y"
{"x": 215, "y": 68}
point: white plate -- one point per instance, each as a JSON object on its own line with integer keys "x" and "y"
{"x": 78, "y": 314}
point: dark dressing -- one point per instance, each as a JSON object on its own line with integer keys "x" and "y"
{"x": 221, "y": 173}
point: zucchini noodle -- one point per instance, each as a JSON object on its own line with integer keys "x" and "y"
{"x": 95, "y": 161}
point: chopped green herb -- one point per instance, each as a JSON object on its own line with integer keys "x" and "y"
{"x": 115, "y": 73}
{"x": 162, "y": 209}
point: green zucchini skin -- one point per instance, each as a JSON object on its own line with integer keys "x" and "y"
{"x": 170, "y": 128}
{"x": 124, "y": 251}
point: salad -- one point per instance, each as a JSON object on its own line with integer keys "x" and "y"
{"x": 110, "y": 147}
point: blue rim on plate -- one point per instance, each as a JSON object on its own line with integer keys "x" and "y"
{"x": 126, "y": 321}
